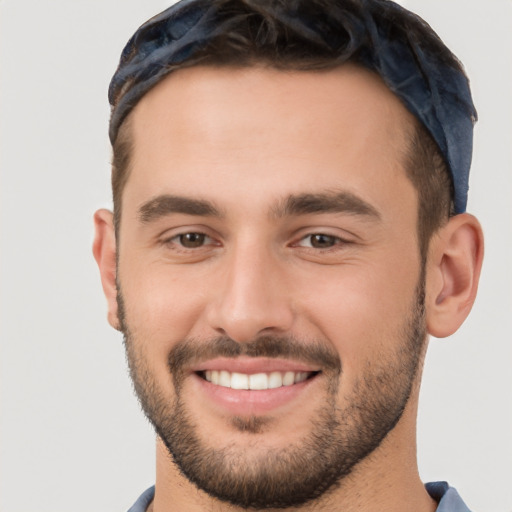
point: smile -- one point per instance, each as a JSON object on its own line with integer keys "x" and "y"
{"x": 255, "y": 381}
{"x": 248, "y": 386}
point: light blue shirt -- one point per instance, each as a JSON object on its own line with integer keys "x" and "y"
{"x": 447, "y": 497}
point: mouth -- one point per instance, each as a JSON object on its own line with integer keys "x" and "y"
{"x": 253, "y": 386}
{"x": 255, "y": 381}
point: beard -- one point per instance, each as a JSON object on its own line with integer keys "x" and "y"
{"x": 339, "y": 437}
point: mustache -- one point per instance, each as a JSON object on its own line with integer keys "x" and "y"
{"x": 191, "y": 352}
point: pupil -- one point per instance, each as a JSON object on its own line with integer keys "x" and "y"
{"x": 322, "y": 241}
{"x": 192, "y": 240}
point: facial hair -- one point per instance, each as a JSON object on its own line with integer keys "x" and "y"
{"x": 339, "y": 438}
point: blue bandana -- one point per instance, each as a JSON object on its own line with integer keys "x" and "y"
{"x": 436, "y": 92}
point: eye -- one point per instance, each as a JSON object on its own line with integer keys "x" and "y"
{"x": 320, "y": 241}
{"x": 191, "y": 240}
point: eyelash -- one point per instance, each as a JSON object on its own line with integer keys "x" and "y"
{"x": 335, "y": 241}
{"x": 177, "y": 241}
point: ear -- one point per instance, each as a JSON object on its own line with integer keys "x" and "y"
{"x": 104, "y": 250}
{"x": 454, "y": 264}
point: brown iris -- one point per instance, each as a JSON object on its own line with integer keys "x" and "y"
{"x": 320, "y": 241}
{"x": 192, "y": 240}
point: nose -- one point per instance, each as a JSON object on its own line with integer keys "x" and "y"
{"x": 252, "y": 298}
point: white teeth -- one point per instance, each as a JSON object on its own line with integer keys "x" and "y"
{"x": 256, "y": 381}
{"x": 275, "y": 380}
{"x": 288, "y": 378}
{"x": 239, "y": 381}
{"x": 300, "y": 377}
{"x": 224, "y": 379}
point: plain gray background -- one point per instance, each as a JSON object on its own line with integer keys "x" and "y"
{"x": 72, "y": 437}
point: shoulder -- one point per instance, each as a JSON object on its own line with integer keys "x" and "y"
{"x": 447, "y": 497}
{"x": 144, "y": 500}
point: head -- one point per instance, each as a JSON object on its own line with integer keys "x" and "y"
{"x": 282, "y": 211}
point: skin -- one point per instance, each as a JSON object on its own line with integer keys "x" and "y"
{"x": 245, "y": 140}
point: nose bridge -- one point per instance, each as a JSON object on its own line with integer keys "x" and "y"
{"x": 251, "y": 298}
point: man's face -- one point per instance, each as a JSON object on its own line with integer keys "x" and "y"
{"x": 268, "y": 240}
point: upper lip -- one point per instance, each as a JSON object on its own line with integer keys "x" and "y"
{"x": 253, "y": 365}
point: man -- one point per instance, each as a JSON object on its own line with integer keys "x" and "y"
{"x": 290, "y": 183}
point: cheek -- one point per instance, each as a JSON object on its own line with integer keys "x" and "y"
{"x": 362, "y": 310}
{"x": 162, "y": 304}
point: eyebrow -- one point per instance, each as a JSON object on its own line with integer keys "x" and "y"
{"x": 293, "y": 205}
{"x": 328, "y": 202}
{"x": 163, "y": 205}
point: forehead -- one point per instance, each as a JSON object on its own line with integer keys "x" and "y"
{"x": 208, "y": 125}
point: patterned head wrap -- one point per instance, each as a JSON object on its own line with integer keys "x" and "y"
{"x": 422, "y": 72}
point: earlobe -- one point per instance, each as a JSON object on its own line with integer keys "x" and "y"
{"x": 455, "y": 261}
{"x": 104, "y": 250}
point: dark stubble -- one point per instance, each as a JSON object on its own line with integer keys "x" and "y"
{"x": 339, "y": 438}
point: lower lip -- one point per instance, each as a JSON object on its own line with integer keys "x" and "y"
{"x": 245, "y": 402}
